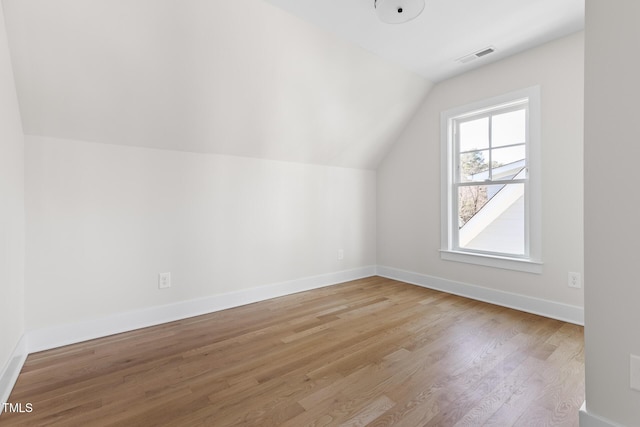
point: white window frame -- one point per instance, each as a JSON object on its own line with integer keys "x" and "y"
{"x": 531, "y": 262}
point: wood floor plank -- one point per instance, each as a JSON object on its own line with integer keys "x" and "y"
{"x": 368, "y": 352}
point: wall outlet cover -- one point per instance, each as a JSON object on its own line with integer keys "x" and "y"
{"x": 634, "y": 375}
{"x": 575, "y": 281}
{"x": 164, "y": 280}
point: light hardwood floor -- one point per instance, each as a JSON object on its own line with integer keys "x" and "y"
{"x": 368, "y": 352}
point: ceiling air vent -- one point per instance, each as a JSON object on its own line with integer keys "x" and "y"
{"x": 479, "y": 54}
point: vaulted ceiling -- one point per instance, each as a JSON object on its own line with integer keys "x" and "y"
{"x": 245, "y": 77}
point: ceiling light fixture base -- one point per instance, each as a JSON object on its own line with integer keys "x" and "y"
{"x": 398, "y": 11}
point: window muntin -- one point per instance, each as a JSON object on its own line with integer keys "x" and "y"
{"x": 490, "y": 148}
{"x": 487, "y": 165}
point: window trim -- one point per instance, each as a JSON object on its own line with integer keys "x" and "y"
{"x": 531, "y": 262}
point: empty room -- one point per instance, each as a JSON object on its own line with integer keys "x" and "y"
{"x": 319, "y": 213}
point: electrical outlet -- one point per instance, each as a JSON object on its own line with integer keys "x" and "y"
{"x": 634, "y": 372}
{"x": 574, "y": 280}
{"x": 164, "y": 280}
{"x": 340, "y": 254}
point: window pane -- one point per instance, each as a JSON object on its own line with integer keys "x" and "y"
{"x": 492, "y": 218}
{"x": 508, "y": 128}
{"x": 471, "y": 199}
{"x": 474, "y": 135}
{"x": 508, "y": 163}
{"x": 474, "y": 166}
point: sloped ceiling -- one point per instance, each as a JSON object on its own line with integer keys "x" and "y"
{"x": 237, "y": 77}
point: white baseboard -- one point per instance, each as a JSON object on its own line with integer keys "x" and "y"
{"x": 10, "y": 371}
{"x": 60, "y": 335}
{"x": 554, "y": 310}
{"x": 590, "y": 420}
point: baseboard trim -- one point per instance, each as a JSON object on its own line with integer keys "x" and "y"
{"x": 12, "y": 368}
{"x": 590, "y": 420}
{"x": 554, "y": 310}
{"x": 57, "y": 336}
{"x": 61, "y": 335}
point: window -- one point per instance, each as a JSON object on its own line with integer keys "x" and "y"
{"x": 491, "y": 182}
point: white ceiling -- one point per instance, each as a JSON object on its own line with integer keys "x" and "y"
{"x": 446, "y": 30}
{"x": 247, "y": 78}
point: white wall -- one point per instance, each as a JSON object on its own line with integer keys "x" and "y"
{"x": 612, "y": 150}
{"x": 103, "y": 220}
{"x": 11, "y": 211}
{"x": 409, "y": 177}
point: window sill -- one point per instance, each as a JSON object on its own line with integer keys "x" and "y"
{"x": 506, "y": 263}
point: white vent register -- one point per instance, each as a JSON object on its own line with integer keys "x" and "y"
{"x": 475, "y": 55}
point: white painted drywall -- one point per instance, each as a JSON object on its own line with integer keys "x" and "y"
{"x": 446, "y": 29}
{"x": 409, "y": 177}
{"x": 104, "y": 220}
{"x": 237, "y": 77}
{"x": 612, "y": 150}
{"x": 11, "y": 209}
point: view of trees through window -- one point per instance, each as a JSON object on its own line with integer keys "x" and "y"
{"x": 485, "y": 144}
{"x": 491, "y": 201}
{"x": 473, "y": 197}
